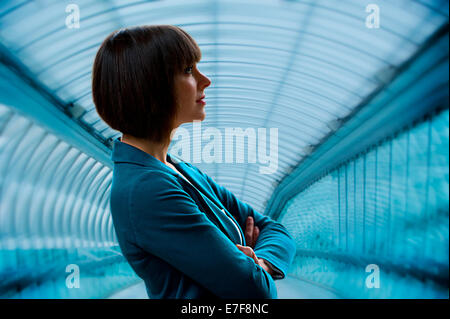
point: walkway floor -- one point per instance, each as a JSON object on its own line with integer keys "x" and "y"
{"x": 288, "y": 288}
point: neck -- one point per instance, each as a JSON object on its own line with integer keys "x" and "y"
{"x": 157, "y": 150}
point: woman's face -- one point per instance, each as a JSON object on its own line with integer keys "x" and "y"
{"x": 189, "y": 92}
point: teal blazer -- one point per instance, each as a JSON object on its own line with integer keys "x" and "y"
{"x": 181, "y": 238}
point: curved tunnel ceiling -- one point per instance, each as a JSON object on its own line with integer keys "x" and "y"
{"x": 298, "y": 66}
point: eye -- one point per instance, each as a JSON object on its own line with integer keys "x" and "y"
{"x": 189, "y": 69}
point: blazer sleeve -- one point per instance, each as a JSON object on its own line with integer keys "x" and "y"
{"x": 168, "y": 224}
{"x": 274, "y": 243}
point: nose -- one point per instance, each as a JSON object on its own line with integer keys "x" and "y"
{"x": 204, "y": 81}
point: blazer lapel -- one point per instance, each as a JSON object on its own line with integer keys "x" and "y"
{"x": 215, "y": 206}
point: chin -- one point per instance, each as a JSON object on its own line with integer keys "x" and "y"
{"x": 201, "y": 117}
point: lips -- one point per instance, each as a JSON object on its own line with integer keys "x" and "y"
{"x": 201, "y": 98}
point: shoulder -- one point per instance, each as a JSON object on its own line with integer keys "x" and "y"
{"x": 150, "y": 184}
{"x": 133, "y": 184}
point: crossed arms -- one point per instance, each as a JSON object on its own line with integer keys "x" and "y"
{"x": 175, "y": 230}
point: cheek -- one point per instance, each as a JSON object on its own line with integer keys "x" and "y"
{"x": 190, "y": 94}
{"x": 186, "y": 91}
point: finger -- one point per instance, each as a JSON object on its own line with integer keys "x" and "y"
{"x": 244, "y": 249}
{"x": 255, "y": 234}
{"x": 248, "y": 251}
{"x": 255, "y": 259}
{"x": 249, "y": 231}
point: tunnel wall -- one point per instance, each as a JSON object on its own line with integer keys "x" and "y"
{"x": 388, "y": 207}
{"x": 57, "y": 237}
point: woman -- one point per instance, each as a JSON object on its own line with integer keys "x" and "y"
{"x": 180, "y": 231}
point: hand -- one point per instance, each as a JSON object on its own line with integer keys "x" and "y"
{"x": 251, "y": 232}
{"x": 249, "y": 252}
{"x": 265, "y": 266}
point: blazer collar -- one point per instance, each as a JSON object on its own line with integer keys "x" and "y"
{"x": 126, "y": 153}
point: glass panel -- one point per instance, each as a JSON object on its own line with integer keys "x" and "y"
{"x": 389, "y": 207}
{"x": 53, "y": 218}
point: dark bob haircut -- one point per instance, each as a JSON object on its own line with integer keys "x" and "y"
{"x": 133, "y": 78}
